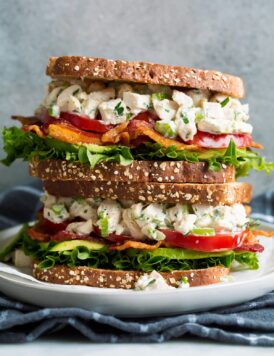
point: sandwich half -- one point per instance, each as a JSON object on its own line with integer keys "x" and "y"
{"x": 143, "y": 244}
{"x": 99, "y": 110}
{"x": 119, "y": 232}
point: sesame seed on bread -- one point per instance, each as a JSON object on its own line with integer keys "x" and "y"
{"x": 73, "y": 67}
{"x": 187, "y": 193}
{"x": 101, "y": 278}
{"x": 137, "y": 171}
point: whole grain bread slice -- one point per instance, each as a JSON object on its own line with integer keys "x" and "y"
{"x": 187, "y": 193}
{"x": 142, "y": 72}
{"x": 137, "y": 171}
{"x": 101, "y": 278}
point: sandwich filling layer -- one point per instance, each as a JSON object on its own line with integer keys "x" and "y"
{"x": 94, "y": 121}
{"x": 179, "y": 113}
{"x": 133, "y": 236}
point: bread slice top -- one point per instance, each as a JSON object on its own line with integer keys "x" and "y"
{"x": 72, "y": 67}
{"x": 137, "y": 171}
{"x": 102, "y": 278}
{"x": 172, "y": 193}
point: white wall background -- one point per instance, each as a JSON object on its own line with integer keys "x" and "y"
{"x": 236, "y": 36}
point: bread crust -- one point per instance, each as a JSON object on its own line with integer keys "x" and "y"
{"x": 87, "y": 276}
{"x": 137, "y": 171}
{"x": 187, "y": 193}
{"x": 67, "y": 67}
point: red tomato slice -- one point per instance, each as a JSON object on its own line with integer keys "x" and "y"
{"x": 51, "y": 227}
{"x": 85, "y": 123}
{"x": 208, "y": 140}
{"x": 203, "y": 243}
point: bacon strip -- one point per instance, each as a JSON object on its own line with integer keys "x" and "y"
{"x": 256, "y": 145}
{"x": 137, "y": 245}
{"x": 26, "y": 120}
{"x": 114, "y": 135}
{"x": 34, "y": 128}
{"x": 263, "y": 233}
{"x": 143, "y": 129}
{"x": 70, "y": 134}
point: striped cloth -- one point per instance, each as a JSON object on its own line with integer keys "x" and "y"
{"x": 250, "y": 323}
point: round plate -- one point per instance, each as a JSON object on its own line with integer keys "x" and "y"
{"x": 246, "y": 285}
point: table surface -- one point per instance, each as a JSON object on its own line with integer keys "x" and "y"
{"x": 74, "y": 346}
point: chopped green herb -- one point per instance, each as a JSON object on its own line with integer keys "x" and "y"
{"x": 119, "y": 110}
{"x": 184, "y": 280}
{"x": 224, "y": 102}
{"x": 160, "y": 96}
{"x": 54, "y": 111}
{"x": 185, "y": 120}
{"x": 128, "y": 116}
{"x": 151, "y": 282}
{"x": 199, "y": 116}
{"x": 58, "y": 208}
{"x": 76, "y": 91}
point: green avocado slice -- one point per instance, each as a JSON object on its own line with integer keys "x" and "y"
{"x": 72, "y": 244}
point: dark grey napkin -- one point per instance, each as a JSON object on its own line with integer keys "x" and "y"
{"x": 251, "y": 323}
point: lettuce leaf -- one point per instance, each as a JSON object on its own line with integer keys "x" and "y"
{"x": 162, "y": 259}
{"x": 243, "y": 159}
{"x": 26, "y": 145}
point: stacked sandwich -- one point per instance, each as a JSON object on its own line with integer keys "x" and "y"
{"x": 139, "y": 164}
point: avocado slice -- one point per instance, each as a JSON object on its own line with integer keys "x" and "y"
{"x": 72, "y": 244}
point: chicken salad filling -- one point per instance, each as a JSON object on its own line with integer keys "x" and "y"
{"x": 181, "y": 114}
{"x": 142, "y": 221}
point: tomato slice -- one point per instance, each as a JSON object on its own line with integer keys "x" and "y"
{"x": 203, "y": 243}
{"x": 85, "y": 123}
{"x": 52, "y": 227}
{"x": 208, "y": 140}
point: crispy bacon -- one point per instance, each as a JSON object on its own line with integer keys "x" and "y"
{"x": 262, "y": 233}
{"x": 256, "y": 145}
{"x": 251, "y": 248}
{"x": 137, "y": 245}
{"x": 70, "y": 134}
{"x": 34, "y": 128}
{"x": 27, "y": 120}
{"x": 142, "y": 128}
{"x": 114, "y": 135}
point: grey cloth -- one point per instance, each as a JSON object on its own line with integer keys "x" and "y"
{"x": 250, "y": 323}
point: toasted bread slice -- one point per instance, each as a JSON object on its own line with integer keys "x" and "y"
{"x": 93, "y": 277}
{"x": 187, "y": 193}
{"x": 140, "y": 72}
{"x": 137, "y": 171}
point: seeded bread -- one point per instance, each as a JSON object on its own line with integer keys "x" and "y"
{"x": 137, "y": 171}
{"x": 101, "y": 278}
{"x": 140, "y": 72}
{"x": 213, "y": 194}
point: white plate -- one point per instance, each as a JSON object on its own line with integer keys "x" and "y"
{"x": 247, "y": 285}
